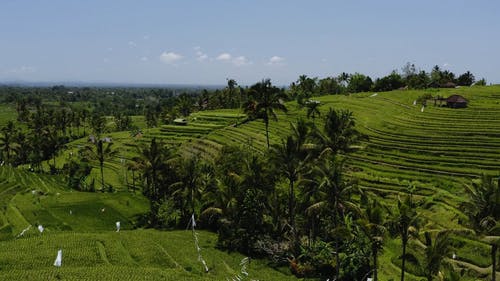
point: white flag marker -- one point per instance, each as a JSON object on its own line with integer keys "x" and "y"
{"x": 117, "y": 226}
{"x": 58, "y": 260}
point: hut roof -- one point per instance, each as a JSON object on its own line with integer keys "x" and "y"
{"x": 456, "y": 99}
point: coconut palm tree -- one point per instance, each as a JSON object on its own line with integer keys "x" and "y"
{"x": 230, "y": 89}
{"x": 372, "y": 223}
{"x": 290, "y": 160}
{"x": 100, "y": 150}
{"x": 313, "y": 109}
{"x": 405, "y": 222}
{"x": 339, "y": 133}
{"x": 483, "y": 210}
{"x": 8, "y": 144}
{"x": 306, "y": 87}
{"x": 189, "y": 186}
{"x": 266, "y": 99}
{"x": 152, "y": 161}
{"x": 435, "y": 252}
{"x": 337, "y": 198}
{"x": 134, "y": 167}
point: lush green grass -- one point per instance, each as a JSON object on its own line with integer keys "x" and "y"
{"x": 438, "y": 151}
{"x": 124, "y": 255}
{"x": 31, "y": 199}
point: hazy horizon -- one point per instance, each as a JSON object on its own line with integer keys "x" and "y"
{"x": 206, "y": 42}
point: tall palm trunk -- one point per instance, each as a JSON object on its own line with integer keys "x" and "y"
{"x": 403, "y": 257}
{"x": 291, "y": 209}
{"x": 494, "y": 249}
{"x": 102, "y": 174}
{"x": 133, "y": 181}
{"x": 375, "y": 266}
{"x": 337, "y": 246}
{"x": 267, "y": 133}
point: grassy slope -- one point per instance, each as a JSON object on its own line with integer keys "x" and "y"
{"x": 82, "y": 224}
{"x": 438, "y": 151}
{"x": 126, "y": 255}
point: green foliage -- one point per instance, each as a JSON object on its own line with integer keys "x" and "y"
{"x": 315, "y": 260}
{"x": 466, "y": 79}
{"x": 390, "y": 82}
{"x": 265, "y": 100}
{"x": 77, "y": 173}
{"x": 359, "y": 83}
{"x": 435, "y": 252}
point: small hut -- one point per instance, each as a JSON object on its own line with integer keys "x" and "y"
{"x": 456, "y": 101}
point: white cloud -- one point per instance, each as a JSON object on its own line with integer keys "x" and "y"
{"x": 109, "y": 49}
{"x": 237, "y": 61}
{"x": 145, "y": 37}
{"x": 144, "y": 59}
{"x": 446, "y": 64}
{"x": 132, "y": 44}
{"x": 274, "y": 60}
{"x": 170, "y": 57}
{"x": 224, "y": 57}
{"x": 240, "y": 61}
{"x": 200, "y": 56}
{"x": 21, "y": 70}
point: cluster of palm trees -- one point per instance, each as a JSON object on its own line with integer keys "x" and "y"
{"x": 295, "y": 194}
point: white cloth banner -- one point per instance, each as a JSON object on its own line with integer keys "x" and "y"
{"x": 58, "y": 260}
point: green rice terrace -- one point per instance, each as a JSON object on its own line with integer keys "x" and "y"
{"x": 435, "y": 150}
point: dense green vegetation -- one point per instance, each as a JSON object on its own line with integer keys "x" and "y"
{"x": 344, "y": 186}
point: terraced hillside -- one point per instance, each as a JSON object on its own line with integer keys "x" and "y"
{"x": 436, "y": 150}
{"x": 82, "y": 225}
{"x": 29, "y": 199}
{"x": 125, "y": 255}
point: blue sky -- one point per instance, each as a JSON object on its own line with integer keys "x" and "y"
{"x": 205, "y": 42}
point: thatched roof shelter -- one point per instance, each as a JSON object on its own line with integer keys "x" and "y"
{"x": 456, "y": 101}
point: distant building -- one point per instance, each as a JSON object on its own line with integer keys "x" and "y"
{"x": 456, "y": 101}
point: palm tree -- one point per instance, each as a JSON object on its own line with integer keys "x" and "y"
{"x": 405, "y": 222}
{"x": 372, "y": 223}
{"x": 337, "y": 198}
{"x": 339, "y": 132}
{"x": 290, "y": 160}
{"x": 189, "y": 185}
{"x": 306, "y": 87}
{"x": 100, "y": 150}
{"x": 435, "y": 252}
{"x": 7, "y": 141}
{"x": 185, "y": 104}
{"x": 133, "y": 166}
{"x": 483, "y": 210}
{"x": 313, "y": 109}
{"x": 222, "y": 199}
{"x": 231, "y": 99}
{"x": 266, "y": 99}
{"x": 152, "y": 160}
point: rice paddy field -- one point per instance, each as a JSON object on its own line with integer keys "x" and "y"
{"x": 436, "y": 150}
